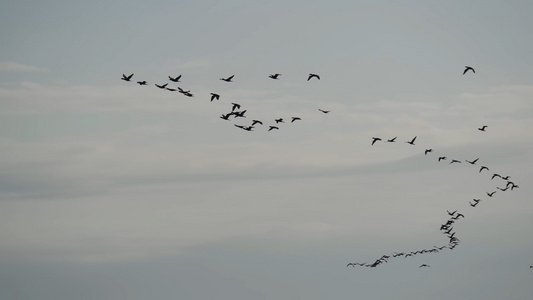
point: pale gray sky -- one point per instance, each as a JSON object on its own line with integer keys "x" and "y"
{"x": 111, "y": 190}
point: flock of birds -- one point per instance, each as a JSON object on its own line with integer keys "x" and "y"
{"x": 453, "y": 216}
{"x": 236, "y": 111}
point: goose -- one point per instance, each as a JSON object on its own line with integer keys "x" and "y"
{"x": 214, "y": 96}
{"x": 235, "y": 106}
{"x": 142, "y": 82}
{"x": 454, "y": 161}
{"x": 126, "y": 78}
{"x": 256, "y": 122}
{"x": 427, "y": 151}
{"x": 392, "y": 140}
{"x": 177, "y": 79}
{"x": 490, "y": 194}
{"x": 295, "y": 119}
{"x": 482, "y": 128}
{"x": 164, "y": 86}
{"x": 274, "y": 76}
{"x": 412, "y": 142}
{"x": 442, "y": 158}
{"x": 375, "y": 139}
{"x": 227, "y": 79}
{"x": 313, "y": 75}
{"x": 272, "y": 127}
{"x": 324, "y": 111}
{"x": 472, "y": 162}
{"x": 483, "y": 168}
{"x": 280, "y": 120}
{"x": 468, "y": 68}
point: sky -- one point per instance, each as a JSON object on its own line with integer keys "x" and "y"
{"x": 113, "y": 190}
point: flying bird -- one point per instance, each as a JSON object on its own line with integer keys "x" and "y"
{"x": 375, "y": 139}
{"x": 142, "y": 82}
{"x": 495, "y": 175}
{"x": 472, "y": 162}
{"x": 274, "y": 76}
{"x": 468, "y": 68}
{"x": 256, "y": 122}
{"x": 172, "y": 90}
{"x": 280, "y": 120}
{"x": 392, "y": 140}
{"x": 451, "y": 213}
{"x": 427, "y": 151}
{"x": 324, "y": 111}
{"x": 126, "y": 78}
{"x": 313, "y": 75}
{"x": 226, "y": 116}
{"x": 235, "y": 106}
{"x": 295, "y": 119}
{"x": 490, "y": 194}
{"x": 214, "y": 96}
{"x": 454, "y": 161}
{"x": 177, "y": 79}
{"x": 483, "y": 168}
{"x": 482, "y": 128}
{"x": 162, "y": 86}
{"x": 227, "y": 79}
{"x": 272, "y": 127}
{"x": 424, "y": 265}
{"x": 412, "y": 142}
{"x": 442, "y": 158}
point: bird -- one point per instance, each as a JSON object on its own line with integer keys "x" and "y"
{"x": 280, "y": 120}
{"x": 161, "y": 86}
{"x": 427, "y": 151}
{"x": 142, "y": 82}
{"x": 375, "y": 139}
{"x": 256, "y": 122}
{"x": 235, "y": 106}
{"x": 473, "y": 204}
{"x": 442, "y": 158}
{"x": 454, "y": 161}
{"x": 183, "y": 91}
{"x": 495, "y": 175}
{"x": 412, "y": 142}
{"x": 313, "y": 75}
{"x": 240, "y": 114}
{"x": 482, "y": 128}
{"x": 272, "y": 127}
{"x": 503, "y": 189}
{"x": 274, "y": 76}
{"x": 226, "y": 116}
{"x": 228, "y": 79}
{"x": 490, "y": 194}
{"x": 214, "y": 96}
{"x": 451, "y": 213}
{"x": 324, "y": 111}
{"x": 126, "y": 78}
{"x": 295, "y": 119}
{"x": 424, "y": 265}
{"x": 468, "y": 68}
{"x": 170, "y": 89}
{"x": 177, "y": 79}
{"x": 472, "y": 162}
{"x": 483, "y": 168}
{"x": 392, "y": 140}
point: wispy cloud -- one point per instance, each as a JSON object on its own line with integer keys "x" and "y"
{"x": 16, "y": 67}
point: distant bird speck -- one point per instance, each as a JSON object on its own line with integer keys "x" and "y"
{"x": 468, "y": 68}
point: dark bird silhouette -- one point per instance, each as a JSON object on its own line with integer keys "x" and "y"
{"x": 506, "y": 177}
{"x": 427, "y": 151}
{"x": 375, "y": 139}
{"x": 272, "y": 127}
{"x": 483, "y": 128}
{"x": 228, "y": 79}
{"x": 313, "y": 75}
{"x": 164, "y": 86}
{"x": 472, "y": 162}
{"x": 177, "y": 79}
{"x": 442, "y": 158}
{"x": 239, "y": 114}
{"x": 126, "y": 78}
{"x": 392, "y": 140}
{"x": 459, "y": 215}
{"x": 490, "y": 194}
{"x": 188, "y": 94}
{"x": 172, "y": 90}
{"x": 214, "y": 96}
{"x": 503, "y": 189}
{"x": 468, "y": 68}
{"x": 256, "y": 122}
{"x": 324, "y": 111}
{"x": 473, "y": 204}
{"x": 412, "y": 142}
{"x": 142, "y": 82}
{"x": 226, "y": 116}
{"x": 483, "y": 168}
{"x": 495, "y": 175}
{"x": 274, "y": 76}
{"x": 183, "y": 91}
{"x": 451, "y": 213}
{"x": 295, "y": 119}
{"x": 280, "y": 120}
{"x": 235, "y": 106}
{"x": 240, "y": 126}
{"x": 424, "y": 265}
{"x": 454, "y": 161}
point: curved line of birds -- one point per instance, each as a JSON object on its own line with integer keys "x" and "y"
{"x": 447, "y": 227}
{"x": 235, "y": 108}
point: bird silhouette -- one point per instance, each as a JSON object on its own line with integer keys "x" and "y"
{"x": 495, "y": 175}
{"x": 214, "y": 96}
{"x": 375, "y": 139}
{"x": 451, "y": 213}
{"x": 274, "y": 76}
{"x": 142, "y": 82}
{"x": 313, "y": 75}
{"x": 183, "y": 91}
{"x": 472, "y": 162}
{"x": 177, "y": 79}
{"x": 392, "y": 140}
{"x": 226, "y": 116}
{"x": 164, "y": 86}
{"x": 295, "y": 119}
{"x": 235, "y": 106}
{"x": 280, "y": 120}
{"x": 172, "y": 90}
{"x": 126, "y": 78}
{"x": 472, "y": 204}
{"x": 227, "y": 79}
{"x": 424, "y": 265}
{"x": 272, "y": 127}
{"x": 442, "y": 158}
{"x": 412, "y": 142}
{"x": 468, "y": 68}
{"x": 483, "y": 128}
{"x": 324, "y": 111}
{"x": 427, "y": 151}
{"x": 454, "y": 161}
{"x": 483, "y": 168}
{"x": 490, "y": 194}
{"x": 256, "y": 122}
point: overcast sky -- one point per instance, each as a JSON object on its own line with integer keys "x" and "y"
{"x": 113, "y": 190}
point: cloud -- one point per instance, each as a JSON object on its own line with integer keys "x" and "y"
{"x": 16, "y": 67}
